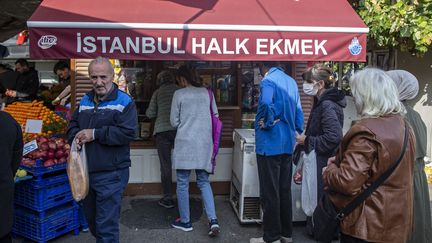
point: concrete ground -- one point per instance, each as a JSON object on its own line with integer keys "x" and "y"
{"x": 143, "y": 220}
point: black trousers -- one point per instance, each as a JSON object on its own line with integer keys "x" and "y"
{"x": 350, "y": 239}
{"x": 275, "y": 174}
{"x": 164, "y": 144}
{"x": 6, "y": 239}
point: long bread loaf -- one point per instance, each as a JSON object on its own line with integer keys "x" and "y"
{"x": 78, "y": 176}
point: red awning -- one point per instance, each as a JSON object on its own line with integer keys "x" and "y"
{"x": 308, "y": 30}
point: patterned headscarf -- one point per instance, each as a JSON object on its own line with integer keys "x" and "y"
{"x": 407, "y": 84}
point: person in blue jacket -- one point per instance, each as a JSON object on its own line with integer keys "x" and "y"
{"x": 279, "y": 117}
{"x": 105, "y": 122}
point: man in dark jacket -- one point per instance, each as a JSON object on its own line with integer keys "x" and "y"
{"x": 11, "y": 146}
{"x": 105, "y": 122}
{"x": 27, "y": 83}
{"x": 8, "y": 80}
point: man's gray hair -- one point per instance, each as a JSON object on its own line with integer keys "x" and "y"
{"x": 375, "y": 94}
{"x": 101, "y": 60}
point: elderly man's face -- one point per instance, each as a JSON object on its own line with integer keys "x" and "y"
{"x": 102, "y": 78}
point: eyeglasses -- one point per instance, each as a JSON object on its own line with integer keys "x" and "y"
{"x": 95, "y": 77}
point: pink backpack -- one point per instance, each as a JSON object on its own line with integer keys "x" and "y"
{"x": 216, "y": 132}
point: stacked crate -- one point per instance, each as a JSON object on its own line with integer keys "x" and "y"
{"x": 44, "y": 207}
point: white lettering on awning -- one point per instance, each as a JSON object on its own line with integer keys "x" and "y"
{"x": 202, "y": 45}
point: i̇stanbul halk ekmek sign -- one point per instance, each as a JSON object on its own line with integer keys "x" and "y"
{"x": 196, "y": 45}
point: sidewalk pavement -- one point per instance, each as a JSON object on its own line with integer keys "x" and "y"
{"x": 143, "y": 220}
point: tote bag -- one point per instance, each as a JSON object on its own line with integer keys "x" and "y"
{"x": 216, "y": 132}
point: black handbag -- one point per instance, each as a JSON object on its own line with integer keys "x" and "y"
{"x": 297, "y": 154}
{"x": 326, "y": 218}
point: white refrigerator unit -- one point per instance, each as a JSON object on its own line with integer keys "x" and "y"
{"x": 244, "y": 193}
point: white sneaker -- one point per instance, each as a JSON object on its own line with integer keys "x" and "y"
{"x": 261, "y": 240}
{"x": 286, "y": 239}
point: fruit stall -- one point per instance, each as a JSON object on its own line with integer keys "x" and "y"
{"x": 44, "y": 206}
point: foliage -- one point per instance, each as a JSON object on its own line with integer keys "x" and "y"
{"x": 402, "y": 24}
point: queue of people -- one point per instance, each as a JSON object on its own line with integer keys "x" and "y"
{"x": 106, "y": 120}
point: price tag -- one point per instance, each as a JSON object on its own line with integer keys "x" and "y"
{"x": 33, "y": 126}
{"x": 29, "y": 147}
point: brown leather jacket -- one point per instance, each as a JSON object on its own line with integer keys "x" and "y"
{"x": 366, "y": 151}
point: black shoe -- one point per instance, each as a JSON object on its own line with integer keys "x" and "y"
{"x": 166, "y": 202}
{"x": 213, "y": 228}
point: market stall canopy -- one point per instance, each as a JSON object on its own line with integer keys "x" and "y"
{"x": 301, "y": 30}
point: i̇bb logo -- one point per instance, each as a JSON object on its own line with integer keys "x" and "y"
{"x": 47, "y": 41}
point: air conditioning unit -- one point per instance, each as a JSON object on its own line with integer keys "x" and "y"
{"x": 244, "y": 195}
{"x": 245, "y": 190}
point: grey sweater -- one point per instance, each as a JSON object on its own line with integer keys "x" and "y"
{"x": 160, "y": 107}
{"x": 190, "y": 114}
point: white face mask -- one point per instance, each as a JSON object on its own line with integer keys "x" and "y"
{"x": 310, "y": 89}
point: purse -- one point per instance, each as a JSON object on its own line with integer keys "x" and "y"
{"x": 326, "y": 219}
{"x": 297, "y": 160}
{"x": 216, "y": 132}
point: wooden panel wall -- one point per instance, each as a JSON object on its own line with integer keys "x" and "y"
{"x": 307, "y": 101}
{"x": 81, "y": 82}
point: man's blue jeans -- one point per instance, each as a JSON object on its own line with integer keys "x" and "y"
{"x": 183, "y": 193}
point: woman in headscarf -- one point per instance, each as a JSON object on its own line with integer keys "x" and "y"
{"x": 408, "y": 88}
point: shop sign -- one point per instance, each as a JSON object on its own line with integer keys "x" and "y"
{"x": 196, "y": 45}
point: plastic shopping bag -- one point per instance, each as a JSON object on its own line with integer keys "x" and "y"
{"x": 309, "y": 197}
{"x": 77, "y": 172}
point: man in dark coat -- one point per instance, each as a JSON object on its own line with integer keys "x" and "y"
{"x": 27, "y": 84}
{"x": 11, "y": 149}
{"x": 7, "y": 80}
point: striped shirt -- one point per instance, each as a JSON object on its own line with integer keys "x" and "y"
{"x": 160, "y": 107}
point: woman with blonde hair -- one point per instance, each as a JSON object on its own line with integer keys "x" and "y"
{"x": 324, "y": 127}
{"x": 368, "y": 150}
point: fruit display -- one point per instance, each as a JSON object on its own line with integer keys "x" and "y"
{"x": 21, "y": 173}
{"x": 51, "y": 122}
{"x": 51, "y": 150}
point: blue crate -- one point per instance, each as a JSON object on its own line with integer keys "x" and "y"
{"x": 43, "y": 198}
{"x": 55, "y": 222}
{"x": 39, "y": 169}
{"x": 48, "y": 179}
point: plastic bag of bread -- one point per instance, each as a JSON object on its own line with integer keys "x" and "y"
{"x": 77, "y": 172}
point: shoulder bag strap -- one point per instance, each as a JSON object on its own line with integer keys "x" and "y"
{"x": 365, "y": 194}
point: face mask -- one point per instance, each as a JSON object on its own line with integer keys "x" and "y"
{"x": 309, "y": 89}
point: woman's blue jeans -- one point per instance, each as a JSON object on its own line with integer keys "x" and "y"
{"x": 183, "y": 194}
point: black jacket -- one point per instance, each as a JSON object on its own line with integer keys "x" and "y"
{"x": 11, "y": 146}
{"x": 28, "y": 85}
{"x": 115, "y": 121}
{"x": 324, "y": 128}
